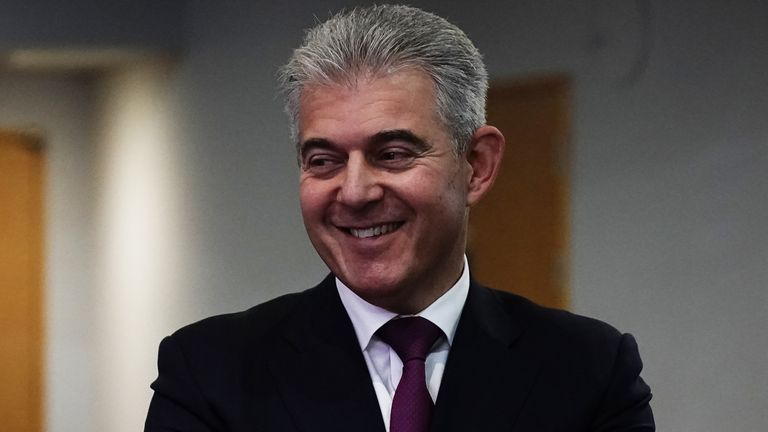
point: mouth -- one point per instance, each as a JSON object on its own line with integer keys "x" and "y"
{"x": 374, "y": 231}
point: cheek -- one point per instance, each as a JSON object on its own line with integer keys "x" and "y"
{"x": 310, "y": 201}
{"x": 442, "y": 200}
{"x": 454, "y": 189}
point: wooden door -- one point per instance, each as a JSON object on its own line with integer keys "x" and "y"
{"x": 21, "y": 318}
{"x": 519, "y": 232}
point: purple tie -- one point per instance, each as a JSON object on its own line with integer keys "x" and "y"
{"x": 411, "y": 338}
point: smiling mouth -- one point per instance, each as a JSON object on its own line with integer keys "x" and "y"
{"x": 376, "y": 231}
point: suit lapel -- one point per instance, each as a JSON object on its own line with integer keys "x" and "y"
{"x": 487, "y": 378}
{"x": 320, "y": 370}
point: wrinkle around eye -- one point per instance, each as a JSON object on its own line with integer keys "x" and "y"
{"x": 321, "y": 164}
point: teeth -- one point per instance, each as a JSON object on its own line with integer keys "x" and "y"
{"x": 363, "y": 233}
{"x": 374, "y": 231}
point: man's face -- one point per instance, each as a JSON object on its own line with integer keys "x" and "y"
{"x": 383, "y": 196}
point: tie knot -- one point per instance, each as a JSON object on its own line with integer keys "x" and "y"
{"x": 410, "y": 337}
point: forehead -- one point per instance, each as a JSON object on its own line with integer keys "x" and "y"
{"x": 400, "y": 100}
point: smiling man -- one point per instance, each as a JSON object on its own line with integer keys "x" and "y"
{"x": 387, "y": 106}
{"x": 384, "y": 194}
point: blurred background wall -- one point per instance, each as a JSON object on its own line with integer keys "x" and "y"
{"x": 171, "y": 188}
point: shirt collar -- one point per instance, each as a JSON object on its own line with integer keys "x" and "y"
{"x": 443, "y": 312}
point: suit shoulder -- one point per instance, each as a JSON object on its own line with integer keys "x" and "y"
{"x": 583, "y": 364}
{"x": 556, "y": 324}
{"x": 571, "y": 344}
{"x": 257, "y": 316}
{"x": 241, "y": 328}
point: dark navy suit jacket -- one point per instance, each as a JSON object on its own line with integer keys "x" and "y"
{"x": 294, "y": 364}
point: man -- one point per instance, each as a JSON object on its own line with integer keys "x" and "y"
{"x": 387, "y": 107}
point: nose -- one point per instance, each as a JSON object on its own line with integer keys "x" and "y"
{"x": 360, "y": 183}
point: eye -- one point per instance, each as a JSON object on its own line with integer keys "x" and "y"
{"x": 395, "y": 156}
{"x": 318, "y": 162}
{"x": 321, "y": 163}
{"x": 391, "y": 155}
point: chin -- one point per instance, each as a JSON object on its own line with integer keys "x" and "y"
{"x": 371, "y": 284}
{"x": 374, "y": 289}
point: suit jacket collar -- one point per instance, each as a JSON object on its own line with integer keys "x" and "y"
{"x": 487, "y": 379}
{"x": 319, "y": 367}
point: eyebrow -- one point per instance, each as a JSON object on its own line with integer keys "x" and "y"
{"x": 405, "y": 135}
{"x": 375, "y": 140}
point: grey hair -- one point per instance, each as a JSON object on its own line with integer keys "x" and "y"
{"x": 383, "y": 39}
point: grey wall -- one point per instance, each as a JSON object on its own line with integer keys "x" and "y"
{"x": 669, "y": 192}
{"x": 88, "y": 24}
{"x": 60, "y": 109}
{"x": 89, "y": 384}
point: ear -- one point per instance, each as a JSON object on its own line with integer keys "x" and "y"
{"x": 484, "y": 154}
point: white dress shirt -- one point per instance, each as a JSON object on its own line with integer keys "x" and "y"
{"x": 384, "y": 366}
